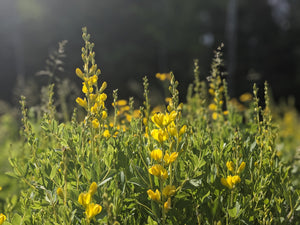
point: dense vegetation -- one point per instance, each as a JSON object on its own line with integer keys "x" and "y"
{"x": 211, "y": 160}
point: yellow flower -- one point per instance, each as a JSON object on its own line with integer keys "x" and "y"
{"x": 163, "y": 76}
{"x": 212, "y": 107}
{"x": 246, "y": 97}
{"x": 79, "y": 73}
{"x": 2, "y": 218}
{"x": 106, "y": 134}
{"x": 231, "y": 181}
{"x": 103, "y": 87}
{"x": 93, "y": 80}
{"x": 169, "y": 190}
{"x": 156, "y": 154}
{"x": 95, "y": 123}
{"x": 167, "y": 205}
{"x": 230, "y": 166}
{"x": 60, "y": 192}
{"x": 82, "y": 102}
{"x": 93, "y": 188}
{"x": 159, "y": 135}
{"x": 225, "y": 113}
{"x": 182, "y": 130}
{"x": 157, "y": 119}
{"x": 155, "y": 196}
{"x": 241, "y": 167}
{"x": 85, "y": 89}
{"x": 84, "y": 199}
{"x": 104, "y": 115}
{"x": 121, "y": 102}
{"x": 215, "y": 116}
{"x": 102, "y": 97}
{"x": 172, "y": 129}
{"x": 92, "y": 210}
{"x": 170, "y": 158}
{"x": 159, "y": 171}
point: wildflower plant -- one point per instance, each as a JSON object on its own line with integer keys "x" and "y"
{"x": 201, "y": 162}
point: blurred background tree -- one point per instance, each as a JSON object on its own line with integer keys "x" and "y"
{"x": 135, "y": 38}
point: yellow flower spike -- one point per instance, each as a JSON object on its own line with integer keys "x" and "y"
{"x": 79, "y": 73}
{"x": 95, "y": 123}
{"x": 84, "y": 199}
{"x": 169, "y": 190}
{"x": 93, "y": 188}
{"x": 241, "y": 167}
{"x": 155, "y": 196}
{"x": 225, "y": 113}
{"x": 159, "y": 135}
{"x": 82, "y": 102}
{"x": 156, "y": 154}
{"x": 170, "y": 158}
{"x": 60, "y": 192}
{"x": 225, "y": 182}
{"x": 106, "y": 134}
{"x": 104, "y": 115}
{"x": 2, "y": 218}
{"x": 92, "y": 210}
{"x": 230, "y": 166}
{"x": 159, "y": 171}
{"x": 167, "y": 205}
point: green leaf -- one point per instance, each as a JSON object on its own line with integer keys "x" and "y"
{"x": 232, "y": 212}
{"x": 17, "y": 219}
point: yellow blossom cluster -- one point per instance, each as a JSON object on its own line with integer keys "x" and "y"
{"x": 166, "y": 127}
{"x": 91, "y": 209}
{"x": 231, "y": 181}
{"x": 166, "y": 132}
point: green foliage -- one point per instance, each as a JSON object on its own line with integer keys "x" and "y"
{"x": 209, "y": 161}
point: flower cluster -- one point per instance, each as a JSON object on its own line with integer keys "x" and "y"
{"x": 231, "y": 181}
{"x": 91, "y": 209}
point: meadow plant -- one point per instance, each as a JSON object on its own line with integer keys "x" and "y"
{"x": 211, "y": 160}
